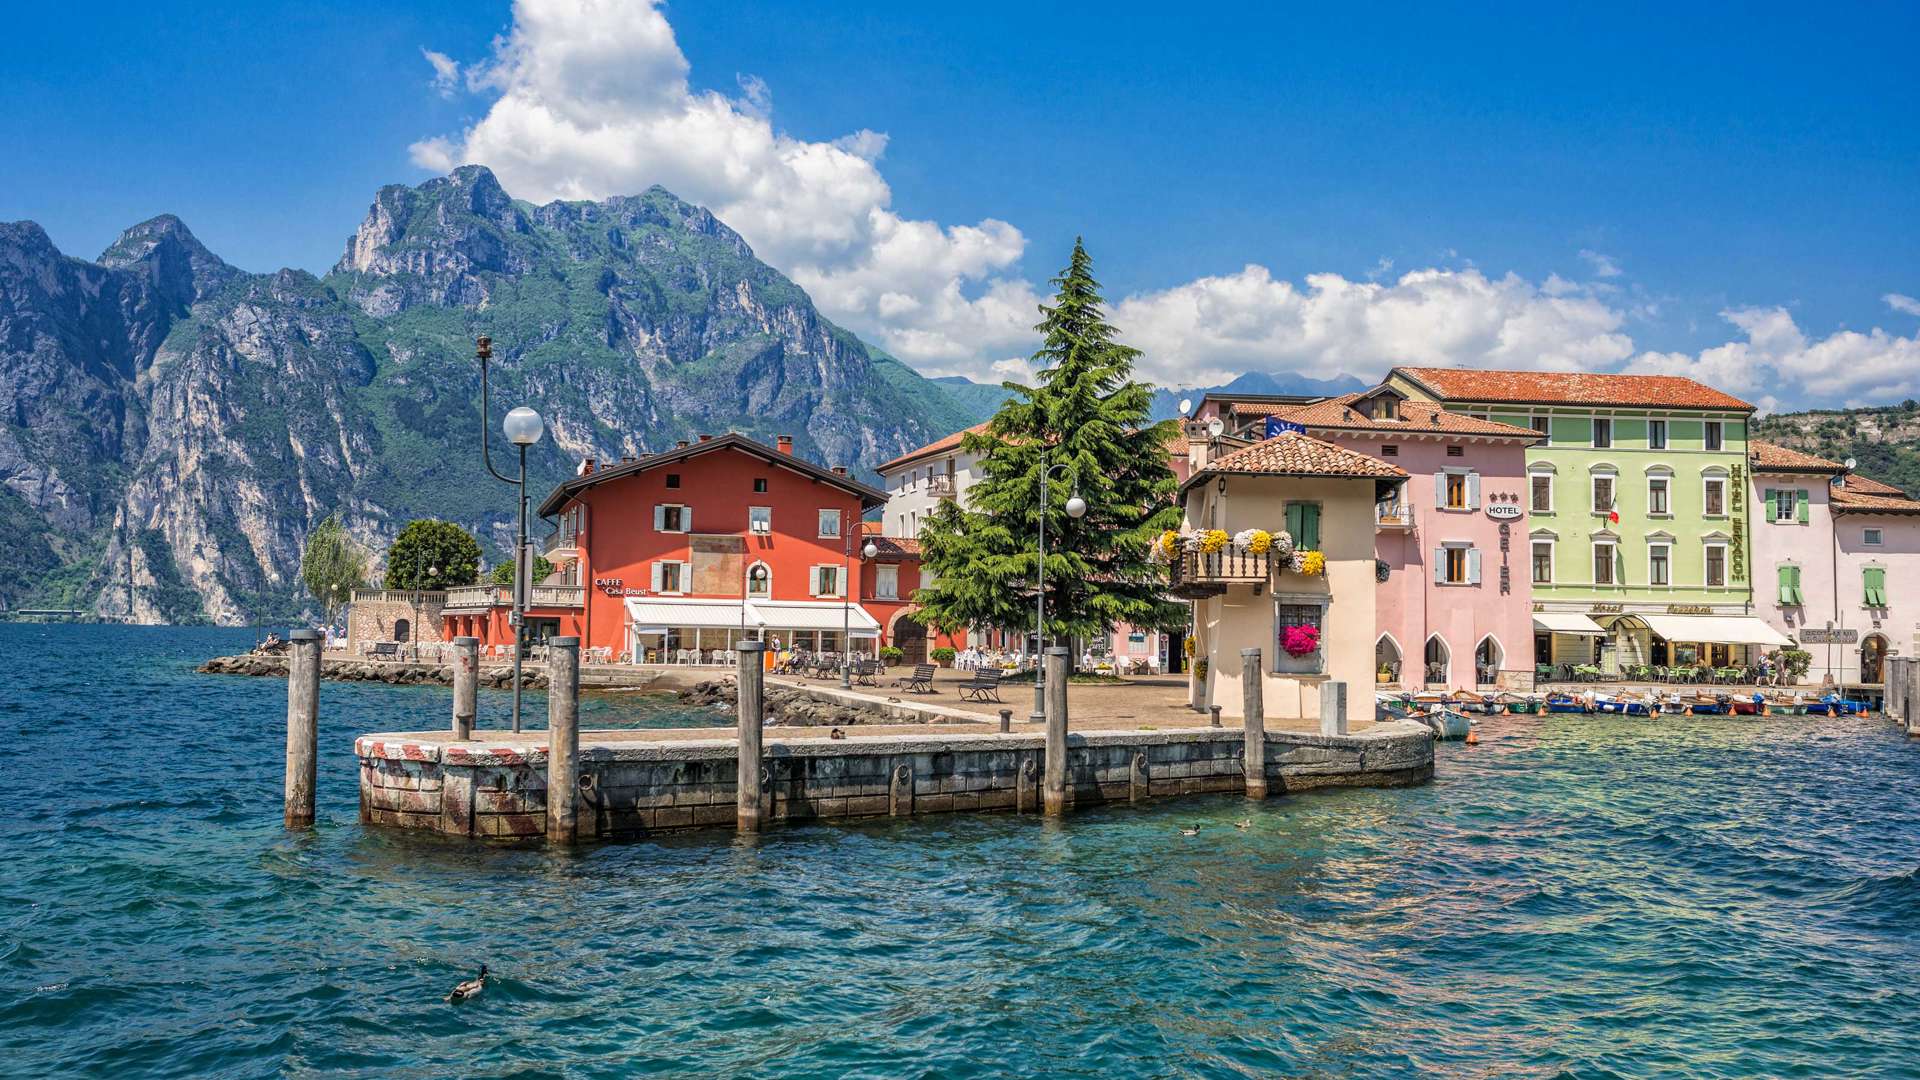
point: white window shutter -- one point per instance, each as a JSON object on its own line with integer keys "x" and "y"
{"x": 1440, "y": 490}
{"x": 659, "y": 523}
{"x": 656, "y": 570}
{"x": 1473, "y": 566}
{"x": 1473, "y": 492}
{"x": 1439, "y": 566}
{"x": 686, "y": 519}
{"x": 686, "y": 577}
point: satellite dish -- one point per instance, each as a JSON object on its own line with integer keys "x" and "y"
{"x": 1215, "y": 427}
{"x": 1186, "y": 405}
{"x": 1850, "y": 463}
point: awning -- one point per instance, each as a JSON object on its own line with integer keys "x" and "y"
{"x": 1567, "y": 622}
{"x": 1716, "y": 629}
{"x": 813, "y": 615}
{"x": 659, "y": 611}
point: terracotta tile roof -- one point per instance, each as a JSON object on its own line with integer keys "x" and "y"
{"x": 1853, "y": 501}
{"x": 1416, "y": 418}
{"x": 932, "y": 449}
{"x": 1294, "y": 454}
{"x": 1769, "y": 457}
{"x": 1571, "y": 388}
{"x": 1867, "y": 485}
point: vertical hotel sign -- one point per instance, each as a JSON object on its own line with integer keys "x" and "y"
{"x": 1737, "y": 498}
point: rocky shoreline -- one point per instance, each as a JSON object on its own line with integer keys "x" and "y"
{"x": 788, "y": 705}
{"x": 402, "y": 673}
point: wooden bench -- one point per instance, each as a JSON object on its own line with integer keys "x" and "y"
{"x": 384, "y": 650}
{"x": 983, "y": 685}
{"x": 920, "y": 681}
{"x": 866, "y": 671}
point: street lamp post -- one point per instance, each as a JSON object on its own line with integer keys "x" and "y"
{"x": 523, "y": 428}
{"x": 1076, "y": 508}
{"x": 846, "y": 611}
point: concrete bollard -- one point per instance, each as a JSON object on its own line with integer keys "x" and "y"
{"x": 466, "y": 685}
{"x": 1214, "y": 711}
{"x": 1053, "y": 795}
{"x": 563, "y": 740}
{"x": 750, "y": 804}
{"x": 1006, "y": 721}
{"x": 1333, "y": 708}
{"x": 303, "y": 726}
{"x": 1254, "y": 708}
{"x": 1911, "y": 695}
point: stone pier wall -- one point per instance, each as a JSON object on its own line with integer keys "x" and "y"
{"x": 632, "y": 789}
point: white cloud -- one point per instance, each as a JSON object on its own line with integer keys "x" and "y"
{"x": 593, "y": 100}
{"x": 446, "y": 72}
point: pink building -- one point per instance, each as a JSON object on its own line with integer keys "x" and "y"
{"x": 1834, "y": 563}
{"x": 1455, "y": 607}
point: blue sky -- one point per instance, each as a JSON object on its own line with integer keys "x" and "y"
{"x": 1641, "y": 175}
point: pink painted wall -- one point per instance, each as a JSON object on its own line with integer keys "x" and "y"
{"x": 1409, "y": 604}
{"x": 1810, "y": 547}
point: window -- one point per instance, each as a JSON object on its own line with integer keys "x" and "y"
{"x": 826, "y": 581}
{"x": 672, "y": 517}
{"x": 1390, "y": 450}
{"x": 1871, "y": 537}
{"x": 1287, "y": 613}
{"x": 1543, "y": 562}
{"x": 1716, "y": 496}
{"x": 1659, "y": 564}
{"x": 1603, "y": 559}
{"x": 1541, "y": 424}
{"x": 1656, "y": 434}
{"x": 1602, "y": 432}
{"x": 1786, "y": 506}
{"x": 1542, "y": 485}
{"x": 1456, "y": 491}
{"x": 1602, "y": 493}
{"x": 760, "y": 520}
{"x": 1386, "y": 407}
{"x": 1657, "y": 495}
{"x": 673, "y": 479}
{"x": 886, "y": 582}
{"x": 759, "y": 581}
{"x": 1875, "y": 580}
{"x": 1790, "y": 586}
{"x": 759, "y": 485}
{"x": 1716, "y": 434}
{"x": 829, "y": 523}
{"x": 1303, "y": 524}
{"x": 671, "y": 577}
{"x": 1716, "y": 565}
{"x": 1457, "y": 564}
{"x": 1456, "y": 451}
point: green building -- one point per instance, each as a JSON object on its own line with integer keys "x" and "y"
{"x": 1637, "y": 525}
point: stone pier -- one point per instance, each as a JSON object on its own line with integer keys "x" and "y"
{"x": 636, "y": 783}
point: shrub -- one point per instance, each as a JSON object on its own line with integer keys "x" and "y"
{"x": 892, "y": 654}
{"x": 945, "y": 654}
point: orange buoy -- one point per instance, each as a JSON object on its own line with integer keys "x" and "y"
{"x": 1473, "y": 737}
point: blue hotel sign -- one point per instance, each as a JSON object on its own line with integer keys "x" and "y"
{"x": 1275, "y": 426}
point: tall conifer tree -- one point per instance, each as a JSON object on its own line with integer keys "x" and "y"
{"x": 1087, "y": 413}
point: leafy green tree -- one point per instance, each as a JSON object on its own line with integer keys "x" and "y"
{"x": 1088, "y": 414}
{"x": 332, "y": 566}
{"x": 430, "y": 554}
{"x": 503, "y": 574}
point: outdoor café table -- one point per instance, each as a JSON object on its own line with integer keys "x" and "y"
{"x": 1730, "y": 674}
{"x": 1587, "y": 671}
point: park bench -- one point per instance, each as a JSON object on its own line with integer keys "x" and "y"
{"x": 920, "y": 682}
{"x": 384, "y": 650}
{"x": 983, "y": 685}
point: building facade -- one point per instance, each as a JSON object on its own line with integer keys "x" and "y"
{"x": 396, "y": 616}
{"x": 670, "y": 558}
{"x": 1454, "y": 606}
{"x": 1637, "y": 497}
{"x": 1323, "y": 496}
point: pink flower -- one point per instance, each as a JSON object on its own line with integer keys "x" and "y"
{"x": 1300, "y": 640}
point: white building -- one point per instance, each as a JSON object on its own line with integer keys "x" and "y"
{"x": 916, "y": 481}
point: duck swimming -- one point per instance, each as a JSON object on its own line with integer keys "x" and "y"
{"x": 469, "y": 989}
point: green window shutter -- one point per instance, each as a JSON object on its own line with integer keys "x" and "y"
{"x": 1800, "y": 506}
{"x": 1786, "y": 583}
{"x": 1310, "y": 526}
{"x": 1876, "y": 581}
{"x": 1798, "y": 596}
{"x": 1293, "y": 524}
{"x": 1773, "y": 504}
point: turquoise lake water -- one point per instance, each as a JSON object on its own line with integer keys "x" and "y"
{"x": 1582, "y": 898}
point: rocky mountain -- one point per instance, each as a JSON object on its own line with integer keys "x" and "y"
{"x": 1884, "y": 441}
{"x": 175, "y": 426}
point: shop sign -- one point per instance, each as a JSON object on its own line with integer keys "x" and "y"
{"x": 1689, "y": 609}
{"x": 1504, "y": 511}
{"x": 1829, "y": 637}
{"x": 614, "y": 586}
{"x": 1605, "y": 609}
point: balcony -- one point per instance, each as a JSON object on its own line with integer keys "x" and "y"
{"x": 562, "y": 545}
{"x": 541, "y": 596}
{"x": 1197, "y": 575}
{"x": 940, "y": 487}
{"x": 1394, "y": 515}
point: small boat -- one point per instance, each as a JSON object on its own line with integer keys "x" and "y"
{"x": 1448, "y": 723}
{"x": 1565, "y": 703}
{"x": 1703, "y": 705}
{"x": 1778, "y": 706}
{"x": 1622, "y": 706}
{"x": 1485, "y": 704}
{"x": 1749, "y": 706}
{"x": 1520, "y": 703}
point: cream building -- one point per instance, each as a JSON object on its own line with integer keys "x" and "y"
{"x": 1322, "y": 494}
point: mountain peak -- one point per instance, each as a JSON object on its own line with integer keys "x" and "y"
{"x": 167, "y": 253}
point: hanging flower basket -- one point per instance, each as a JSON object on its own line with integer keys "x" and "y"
{"x": 1300, "y": 640}
{"x": 1313, "y": 563}
{"x": 1213, "y": 541}
{"x": 1188, "y": 647}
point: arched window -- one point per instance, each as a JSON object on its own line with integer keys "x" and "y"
{"x": 1386, "y": 658}
{"x": 402, "y": 629}
{"x": 1487, "y": 658}
{"x": 760, "y": 581}
{"x": 1439, "y": 659}
{"x": 1873, "y": 657}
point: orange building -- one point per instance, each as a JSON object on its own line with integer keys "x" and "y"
{"x": 671, "y": 557}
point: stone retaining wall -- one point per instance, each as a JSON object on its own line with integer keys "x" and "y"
{"x": 634, "y": 789}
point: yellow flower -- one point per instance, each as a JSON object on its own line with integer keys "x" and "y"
{"x": 1169, "y": 542}
{"x": 1189, "y": 645}
{"x": 1313, "y": 563}
{"x": 1261, "y": 542}
{"x": 1213, "y": 540}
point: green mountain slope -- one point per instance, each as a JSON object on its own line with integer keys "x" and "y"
{"x": 1884, "y": 441}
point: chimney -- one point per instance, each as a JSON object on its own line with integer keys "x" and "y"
{"x": 681, "y": 445}
{"x": 706, "y": 438}
{"x": 786, "y": 444}
{"x": 627, "y": 459}
{"x": 839, "y": 470}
